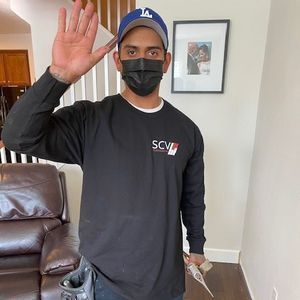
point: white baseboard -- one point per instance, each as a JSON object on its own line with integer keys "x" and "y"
{"x": 247, "y": 281}
{"x": 221, "y": 255}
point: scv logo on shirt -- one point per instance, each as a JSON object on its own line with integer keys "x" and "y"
{"x": 145, "y": 13}
{"x": 163, "y": 146}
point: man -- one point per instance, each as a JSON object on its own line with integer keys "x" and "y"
{"x": 192, "y": 59}
{"x": 142, "y": 159}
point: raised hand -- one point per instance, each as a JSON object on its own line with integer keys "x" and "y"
{"x": 72, "y": 52}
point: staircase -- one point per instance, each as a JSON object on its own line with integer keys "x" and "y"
{"x": 101, "y": 81}
{"x": 110, "y": 12}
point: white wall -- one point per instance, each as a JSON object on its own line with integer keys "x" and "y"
{"x": 271, "y": 243}
{"x": 19, "y": 41}
{"x": 227, "y": 121}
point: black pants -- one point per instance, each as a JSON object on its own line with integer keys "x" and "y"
{"x": 103, "y": 292}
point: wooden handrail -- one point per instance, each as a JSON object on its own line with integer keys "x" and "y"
{"x": 111, "y": 12}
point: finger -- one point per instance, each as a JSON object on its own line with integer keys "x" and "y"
{"x": 73, "y": 23}
{"x": 92, "y": 30}
{"x": 98, "y": 54}
{"x": 62, "y": 20}
{"x": 86, "y": 18}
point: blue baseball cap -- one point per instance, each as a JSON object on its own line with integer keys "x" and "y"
{"x": 144, "y": 17}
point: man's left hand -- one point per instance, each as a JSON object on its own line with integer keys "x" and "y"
{"x": 197, "y": 259}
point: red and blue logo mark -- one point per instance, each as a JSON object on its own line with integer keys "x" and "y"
{"x": 162, "y": 146}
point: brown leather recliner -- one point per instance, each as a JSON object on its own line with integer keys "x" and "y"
{"x": 38, "y": 244}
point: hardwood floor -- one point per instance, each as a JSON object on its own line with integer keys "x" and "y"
{"x": 226, "y": 282}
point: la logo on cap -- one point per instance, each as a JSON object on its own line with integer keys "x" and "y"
{"x": 145, "y": 13}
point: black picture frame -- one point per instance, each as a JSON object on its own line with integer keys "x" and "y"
{"x": 199, "y": 56}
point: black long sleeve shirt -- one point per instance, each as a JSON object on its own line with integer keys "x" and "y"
{"x": 140, "y": 170}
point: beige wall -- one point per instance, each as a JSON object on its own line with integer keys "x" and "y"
{"x": 19, "y": 41}
{"x": 271, "y": 243}
{"x": 74, "y": 188}
{"x": 227, "y": 120}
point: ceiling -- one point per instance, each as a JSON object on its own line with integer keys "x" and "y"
{"x": 10, "y": 22}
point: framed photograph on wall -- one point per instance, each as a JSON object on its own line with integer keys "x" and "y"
{"x": 199, "y": 56}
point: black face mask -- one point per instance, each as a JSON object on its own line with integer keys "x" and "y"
{"x": 142, "y": 75}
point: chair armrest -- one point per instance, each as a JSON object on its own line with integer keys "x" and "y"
{"x": 60, "y": 252}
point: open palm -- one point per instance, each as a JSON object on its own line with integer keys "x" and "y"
{"x": 72, "y": 52}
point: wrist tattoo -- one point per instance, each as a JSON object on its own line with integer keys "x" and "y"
{"x": 59, "y": 78}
